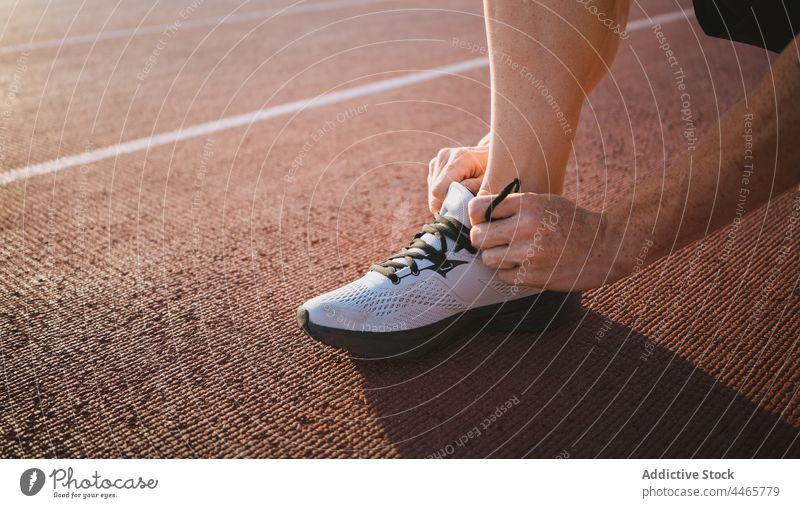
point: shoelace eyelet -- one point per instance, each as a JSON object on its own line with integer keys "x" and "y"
{"x": 444, "y": 226}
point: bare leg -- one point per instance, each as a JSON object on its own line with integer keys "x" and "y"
{"x": 546, "y": 55}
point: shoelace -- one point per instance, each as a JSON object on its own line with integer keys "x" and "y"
{"x": 514, "y": 186}
{"x": 442, "y": 228}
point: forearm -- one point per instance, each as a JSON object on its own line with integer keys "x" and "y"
{"x": 751, "y": 156}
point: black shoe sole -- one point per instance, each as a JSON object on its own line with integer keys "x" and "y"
{"x": 530, "y": 314}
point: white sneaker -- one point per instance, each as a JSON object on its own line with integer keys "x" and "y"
{"x": 425, "y": 294}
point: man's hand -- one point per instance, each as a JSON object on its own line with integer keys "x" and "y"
{"x": 464, "y": 164}
{"x": 544, "y": 241}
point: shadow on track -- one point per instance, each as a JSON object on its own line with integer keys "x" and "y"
{"x": 567, "y": 393}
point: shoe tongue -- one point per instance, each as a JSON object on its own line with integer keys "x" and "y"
{"x": 456, "y": 204}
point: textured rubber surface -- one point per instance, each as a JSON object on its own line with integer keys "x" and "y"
{"x": 148, "y": 302}
{"x": 531, "y": 314}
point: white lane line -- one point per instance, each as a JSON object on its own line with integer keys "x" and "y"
{"x": 261, "y": 115}
{"x": 210, "y": 21}
{"x": 230, "y": 122}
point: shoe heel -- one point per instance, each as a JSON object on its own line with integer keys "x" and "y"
{"x": 536, "y": 313}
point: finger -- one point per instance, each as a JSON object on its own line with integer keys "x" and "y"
{"x": 435, "y": 166}
{"x": 473, "y": 159}
{"x": 437, "y": 195}
{"x": 434, "y": 204}
{"x": 473, "y": 184}
{"x": 441, "y": 183}
{"x": 488, "y": 235}
{"x": 508, "y": 276}
{"x": 464, "y": 165}
{"x": 509, "y": 207}
{"x": 476, "y": 207}
{"x": 431, "y": 198}
{"x": 530, "y": 277}
{"x": 497, "y": 258}
{"x": 511, "y": 276}
{"x": 441, "y": 160}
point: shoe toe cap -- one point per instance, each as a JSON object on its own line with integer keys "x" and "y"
{"x": 320, "y": 312}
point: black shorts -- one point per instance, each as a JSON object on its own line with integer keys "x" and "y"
{"x": 769, "y": 24}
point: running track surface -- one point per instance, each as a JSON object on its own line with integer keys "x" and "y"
{"x": 147, "y": 296}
